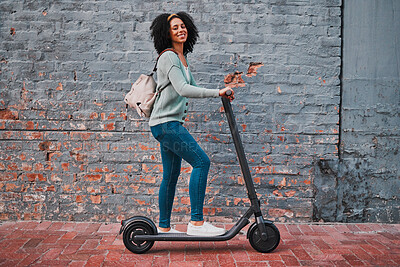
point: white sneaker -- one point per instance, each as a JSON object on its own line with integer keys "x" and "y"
{"x": 171, "y": 231}
{"x": 205, "y": 230}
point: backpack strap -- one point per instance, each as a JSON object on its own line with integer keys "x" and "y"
{"x": 155, "y": 66}
{"x": 168, "y": 49}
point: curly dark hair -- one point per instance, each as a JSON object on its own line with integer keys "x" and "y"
{"x": 160, "y": 32}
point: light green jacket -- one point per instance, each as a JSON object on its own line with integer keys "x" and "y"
{"x": 171, "y": 104}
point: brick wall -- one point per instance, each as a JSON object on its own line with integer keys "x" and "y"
{"x": 70, "y": 150}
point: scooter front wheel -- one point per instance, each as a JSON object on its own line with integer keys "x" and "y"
{"x": 264, "y": 246}
{"x": 137, "y": 228}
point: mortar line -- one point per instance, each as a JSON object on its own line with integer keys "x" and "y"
{"x": 340, "y": 137}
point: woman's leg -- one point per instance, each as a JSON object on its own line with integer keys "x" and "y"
{"x": 171, "y": 170}
{"x": 179, "y": 141}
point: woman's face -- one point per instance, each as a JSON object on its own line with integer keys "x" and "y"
{"x": 177, "y": 31}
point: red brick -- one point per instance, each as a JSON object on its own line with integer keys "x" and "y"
{"x": 293, "y": 229}
{"x": 31, "y": 258}
{"x": 81, "y": 226}
{"x": 376, "y": 244}
{"x": 186, "y": 264}
{"x": 92, "y": 177}
{"x": 353, "y": 227}
{"x": 160, "y": 261}
{"x": 353, "y": 260}
{"x": 226, "y": 260}
{"x": 75, "y": 257}
{"x": 33, "y": 135}
{"x": 8, "y": 176}
{"x": 317, "y": 263}
{"x": 364, "y": 227}
{"x": 176, "y": 256}
{"x": 305, "y": 229}
{"x": 240, "y": 255}
{"x": 71, "y": 249}
{"x": 107, "y": 227}
{"x": 52, "y": 254}
{"x": 108, "y": 240}
{"x": 329, "y": 257}
{"x": 341, "y": 263}
{"x": 6, "y": 114}
{"x": 77, "y": 264}
{"x": 108, "y": 247}
{"x": 96, "y": 199}
{"x": 298, "y": 243}
{"x": 43, "y": 247}
{"x": 254, "y": 264}
{"x": 117, "y": 263}
{"x": 32, "y": 243}
{"x": 95, "y": 261}
{"x": 85, "y": 237}
{"x": 69, "y": 235}
{"x": 129, "y": 257}
{"x": 113, "y": 256}
{"x": 202, "y": 257}
{"x": 276, "y": 263}
{"x": 92, "y": 251}
{"x": 93, "y": 227}
{"x": 210, "y": 263}
{"x": 370, "y": 249}
{"x": 90, "y": 244}
{"x": 144, "y": 264}
{"x": 321, "y": 244}
{"x": 301, "y": 254}
{"x": 340, "y": 250}
{"x": 388, "y": 236}
{"x": 17, "y": 255}
{"x": 383, "y": 261}
{"x": 313, "y": 250}
{"x": 80, "y": 198}
{"x": 290, "y": 260}
{"x": 317, "y": 228}
{"x": 257, "y": 256}
{"x": 51, "y": 239}
{"x": 361, "y": 254}
{"x": 7, "y": 226}
{"x": 331, "y": 241}
{"x": 43, "y": 225}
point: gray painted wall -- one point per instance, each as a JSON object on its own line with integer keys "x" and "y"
{"x": 364, "y": 184}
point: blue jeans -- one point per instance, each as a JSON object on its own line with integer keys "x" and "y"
{"x": 176, "y": 144}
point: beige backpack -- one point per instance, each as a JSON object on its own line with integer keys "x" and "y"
{"x": 143, "y": 92}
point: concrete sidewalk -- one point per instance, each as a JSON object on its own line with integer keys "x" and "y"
{"x": 29, "y": 243}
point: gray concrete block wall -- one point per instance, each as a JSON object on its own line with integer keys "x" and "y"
{"x": 70, "y": 150}
{"x": 365, "y": 184}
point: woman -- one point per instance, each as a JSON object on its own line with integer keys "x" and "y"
{"x": 177, "y": 31}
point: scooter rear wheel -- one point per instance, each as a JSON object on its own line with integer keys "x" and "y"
{"x": 138, "y": 228}
{"x": 264, "y": 246}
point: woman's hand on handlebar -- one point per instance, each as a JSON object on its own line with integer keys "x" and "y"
{"x": 229, "y": 95}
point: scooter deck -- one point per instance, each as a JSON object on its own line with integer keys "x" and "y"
{"x": 183, "y": 237}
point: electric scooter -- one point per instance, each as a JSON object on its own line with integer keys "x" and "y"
{"x": 140, "y": 233}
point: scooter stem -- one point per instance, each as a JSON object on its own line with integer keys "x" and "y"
{"x": 241, "y": 156}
